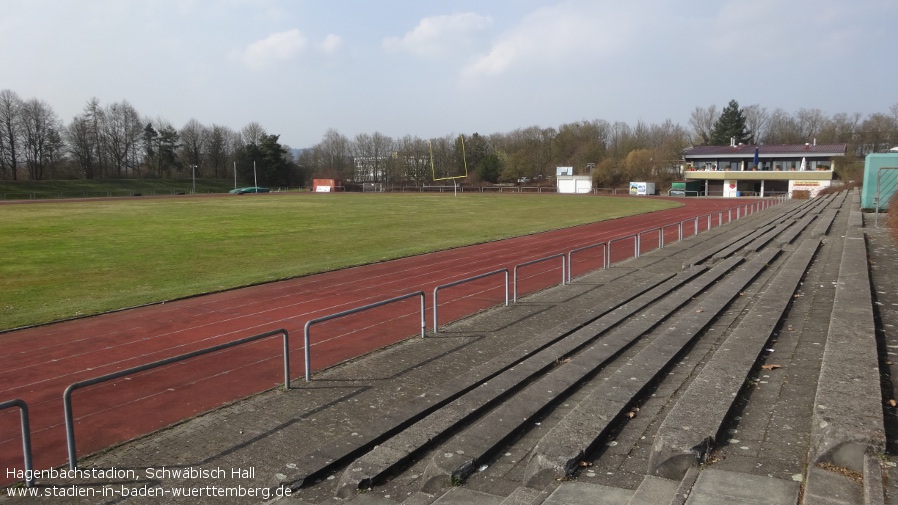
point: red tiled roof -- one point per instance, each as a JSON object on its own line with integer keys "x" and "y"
{"x": 748, "y": 150}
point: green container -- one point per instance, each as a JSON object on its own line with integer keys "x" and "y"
{"x": 686, "y": 188}
{"x": 881, "y": 168}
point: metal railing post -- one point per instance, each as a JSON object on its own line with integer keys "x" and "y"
{"x": 26, "y": 437}
{"x": 570, "y": 258}
{"x": 307, "y": 354}
{"x": 67, "y": 394}
{"x": 540, "y": 260}
{"x": 436, "y": 302}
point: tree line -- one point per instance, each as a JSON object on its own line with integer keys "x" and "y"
{"x": 115, "y": 141}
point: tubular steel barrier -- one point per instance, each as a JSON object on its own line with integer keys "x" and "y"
{"x": 679, "y": 232}
{"x": 639, "y": 239}
{"x": 308, "y": 353}
{"x": 618, "y": 239}
{"x": 462, "y": 281}
{"x": 547, "y": 258}
{"x": 570, "y": 259}
{"x": 694, "y": 223}
{"x": 26, "y": 437}
{"x": 67, "y": 394}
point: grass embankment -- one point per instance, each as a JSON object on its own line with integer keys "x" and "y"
{"x": 64, "y": 259}
{"x": 39, "y": 190}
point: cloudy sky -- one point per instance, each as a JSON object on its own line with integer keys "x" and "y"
{"x": 429, "y": 68}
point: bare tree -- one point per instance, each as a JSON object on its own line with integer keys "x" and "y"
{"x": 194, "y": 139}
{"x": 40, "y": 135}
{"x": 810, "y": 122}
{"x": 372, "y": 154}
{"x": 80, "y": 146}
{"x": 335, "y": 155}
{"x": 877, "y": 133}
{"x": 220, "y": 150}
{"x": 414, "y": 153}
{"x": 122, "y": 132}
{"x": 444, "y": 157}
{"x": 841, "y": 128}
{"x": 756, "y": 120}
{"x": 702, "y": 122}
{"x": 96, "y": 119}
{"x": 620, "y": 140}
{"x": 10, "y": 133}
{"x": 252, "y": 133}
{"x": 165, "y": 150}
{"x": 782, "y": 128}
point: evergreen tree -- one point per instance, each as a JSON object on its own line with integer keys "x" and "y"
{"x": 730, "y": 124}
{"x": 273, "y": 164}
{"x": 490, "y": 168}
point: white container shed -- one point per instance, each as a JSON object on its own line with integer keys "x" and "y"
{"x": 574, "y": 184}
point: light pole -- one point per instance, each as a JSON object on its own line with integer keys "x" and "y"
{"x": 194, "y": 178}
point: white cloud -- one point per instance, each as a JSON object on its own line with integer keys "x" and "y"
{"x": 331, "y": 44}
{"x": 274, "y": 48}
{"x": 440, "y": 35}
{"x": 557, "y": 35}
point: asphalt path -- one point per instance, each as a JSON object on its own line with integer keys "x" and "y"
{"x": 41, "y": 362}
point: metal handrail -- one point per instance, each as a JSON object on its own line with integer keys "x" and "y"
{"x": 694, "y": 227}
{"x": 547, "y": 258}
{"x": 679, "y": 232}
{"x": 570, "y": 259}
{"x": 26, "y": 437}
{"x": 67, "y": 394}
{"x": 462, "y": 281}
{"x": 309, "y": 323}
{"x": 639, "y": 239}
{"x": 635, "y": 238}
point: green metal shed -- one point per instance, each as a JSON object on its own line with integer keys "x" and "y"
{"x": 880, "y": 180}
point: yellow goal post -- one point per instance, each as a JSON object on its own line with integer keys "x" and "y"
{"x": 451, "y": 177}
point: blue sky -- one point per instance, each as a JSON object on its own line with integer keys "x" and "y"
{"x": 429, "y": 69}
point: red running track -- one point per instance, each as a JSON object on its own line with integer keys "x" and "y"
{"x": 42, "y": 361}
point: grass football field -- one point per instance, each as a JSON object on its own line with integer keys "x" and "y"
{"x": 60, "y": 260}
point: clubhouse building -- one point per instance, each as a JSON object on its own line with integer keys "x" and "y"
{"x": 762, "y": 170}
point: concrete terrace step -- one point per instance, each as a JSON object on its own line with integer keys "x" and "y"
{"x": 390, "y": 452}
{"x": 688, "y": 433}
{"x": 580, "y": 432}
{"x": 847, "y": 430}
{"x": 477, "y": 442}
{"x": 711, "y": 487}
{"x": 718, "y": 487}
{"x": 373, "y": 466}
{"x": 341, "y": 451}
{"x": 655, "y": 491}
{"x": 741, "y": 240}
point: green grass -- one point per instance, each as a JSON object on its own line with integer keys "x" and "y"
{"x": 64, "y": 259}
